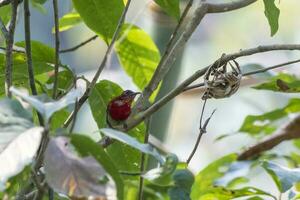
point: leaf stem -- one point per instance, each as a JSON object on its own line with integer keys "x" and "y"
{"x": 79, "y": 45}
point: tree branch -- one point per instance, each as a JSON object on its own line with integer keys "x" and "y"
{"x": 139, "y": 117}
{"x": 248, "y": 73}
{"x": 225, "y": 7}
{"x": 4, "y": 2}
{"x": 9, "y": 47}
{"x": 288, "y": 132}
{"x": 57, "y": 43}
{"x": 79, "y": 45}
{"x": 175, "y": 47}
{"x": 103, "y": 63}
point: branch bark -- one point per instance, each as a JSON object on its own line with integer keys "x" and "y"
{"x": 175, "y": 47}
{"x": 288, "y": 132}
{"x": 139, "y": 117}
{"x": 9, "y": 47}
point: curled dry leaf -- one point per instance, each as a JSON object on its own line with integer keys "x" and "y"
{"x": 78, "y": 178}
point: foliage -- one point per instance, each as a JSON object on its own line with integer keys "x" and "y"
{"x": 36, "y": 155}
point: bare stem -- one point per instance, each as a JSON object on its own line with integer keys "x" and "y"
{"x": 79, "y": 45}
{"x": 9, "y": 47}
{"x": 57, "y": 43}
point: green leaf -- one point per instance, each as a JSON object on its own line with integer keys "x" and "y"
{"x": 183, "y": 181}
{"x": 5, "y": 14}
{"x": 272, "y": 14}
{"x": 38, "y": 5}
{"x": 163, "y": 175}
{"x": 204, "y": 182}
{"x": 281, "y": 83}
{"x": 68, "y": 21}
{"x": 238, "y": 169}
{"x": 101, "y": 16}
{"x": 256, "y": 124}
{"x": 126, "y": 158}
{"x": 126, "y": 139}
{"x": 171, "y": 7}
{"x": 138, "y": 55}
{"x": 86, "y": 147}
{"x": 283, "y": 177}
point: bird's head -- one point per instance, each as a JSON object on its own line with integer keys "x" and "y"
{"x": 128, "y": 95}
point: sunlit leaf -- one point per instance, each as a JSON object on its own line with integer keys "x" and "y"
{"x": 171, "y": 7}
{"x": 138, "y": 55}
{"x": 71, "y": 175}
{"x": 5, "y": 14}
{"x": 256, "y": 124}
{"x": 68, "y": 21}
{"x": 272, "y": 14}
{"x": 124, "y": 138}
{"x": 101, "y": 16}
{"x": 284, "y": 177}
{"x": 281, "y": 83}
{"x": 85, "y": 146}
{"x": 48, "y": 108}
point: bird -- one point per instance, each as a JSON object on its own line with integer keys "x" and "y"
{"x": 119, "y": 108}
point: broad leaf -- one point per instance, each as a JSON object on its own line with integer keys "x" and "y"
{"x": 204, "y": 182}
{"x": 284, "y": 177}
{"x": 281, "y": 83}
{"x": 73, "y": 176}
{"x": 101, "y": 16}
{"x": 85, "y": 146}
{"x": 256, "y": 124}
{"x": 43, "y": 59}
{"x": 124, "y": 138}
{"x": 236, "y": 170}
{"x": 171, "y": 7}
{"x": 183, "y": 181}
{"x": 5, "y": 14}
{"x": 47, "y": 109}
{"x": 163, "y": 175}
{"x": 272, "y": 14}
{"x": 68, "y": 21}
{"x": 138, "y": 55}
{"x": 39, "y": 1}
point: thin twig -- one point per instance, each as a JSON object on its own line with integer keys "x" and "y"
{"x": 9, "y": 47}
{"x": 14, "y": 50}
{"x": 202, "y": 130}
{"x": 79, "y": 45}
{"x": 90, "y": 87}
{"x": 29, "y": 54}
{"x": 57, "y": 43}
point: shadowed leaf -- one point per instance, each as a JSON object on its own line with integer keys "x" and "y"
{"x": 71, "y": 175}
{"x": 171, "y": 7}
{"x": 272, "y": 14}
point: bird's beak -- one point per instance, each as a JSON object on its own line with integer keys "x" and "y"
{"x": 136, "y": 93}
